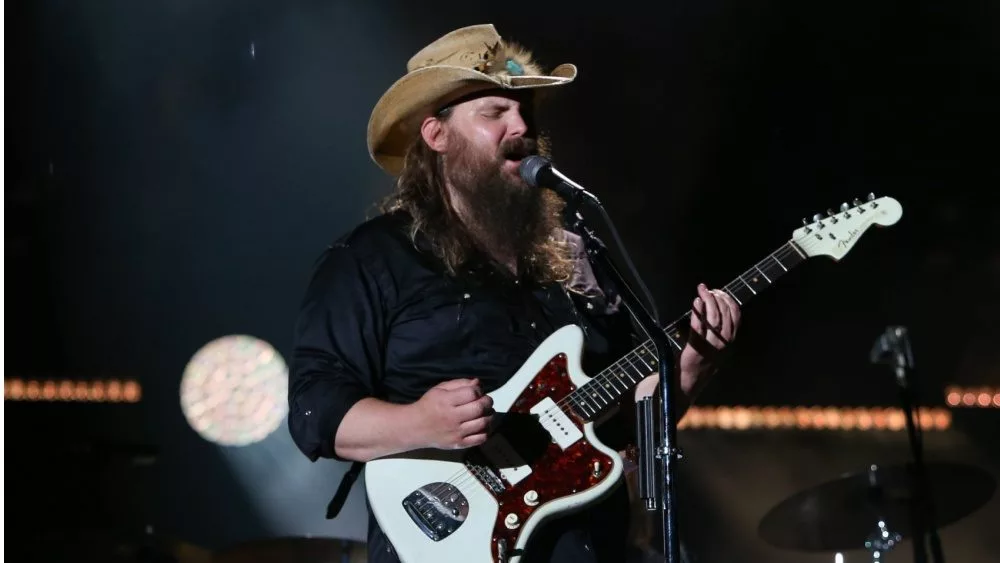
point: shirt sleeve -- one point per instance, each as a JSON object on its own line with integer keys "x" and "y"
{"x": 337, "y": 355}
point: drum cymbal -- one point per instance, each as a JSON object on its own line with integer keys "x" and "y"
{"x": 840, "y": 515}
{"x": 297, "y": 549}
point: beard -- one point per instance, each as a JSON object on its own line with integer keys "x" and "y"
{"x": 508, "y": 219}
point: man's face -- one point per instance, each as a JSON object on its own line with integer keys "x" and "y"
{"x": 492, "y": 132}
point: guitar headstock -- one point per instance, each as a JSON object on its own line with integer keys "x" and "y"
{"x": 836, "y": 234}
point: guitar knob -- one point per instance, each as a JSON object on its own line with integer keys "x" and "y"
{"x": 512, "y": 521}
{"x": 531, "y": 498}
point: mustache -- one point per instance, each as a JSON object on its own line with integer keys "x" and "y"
{"x": 518, "y": 148}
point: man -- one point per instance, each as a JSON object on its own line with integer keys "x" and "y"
{"x": 411, "y": 318}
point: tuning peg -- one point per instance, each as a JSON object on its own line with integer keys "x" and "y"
{"x": 844, "y": 207}
{"x": 829, "y": 212}
{"x": 871, "y": 196}
{"x": 856, "y": 202}
{"x": 817, "y": 217}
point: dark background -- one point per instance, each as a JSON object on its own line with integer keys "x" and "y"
{"x": 167, "y": 184}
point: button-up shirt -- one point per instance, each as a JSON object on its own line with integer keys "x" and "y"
{"x": 382, "y": 318}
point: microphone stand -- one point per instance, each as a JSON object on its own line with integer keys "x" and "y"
{"x": 895, "y": 343}
{"x": 666, "y": 454}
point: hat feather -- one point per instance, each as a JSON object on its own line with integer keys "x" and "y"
{"x": 510, "y": 59}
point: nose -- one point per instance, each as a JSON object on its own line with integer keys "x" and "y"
{"x": 516, "y": 125}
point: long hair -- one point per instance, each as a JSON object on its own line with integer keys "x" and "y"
{"x": 420, "y": 191}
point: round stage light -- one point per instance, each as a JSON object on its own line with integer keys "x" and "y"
{"x": 234, "y": 391}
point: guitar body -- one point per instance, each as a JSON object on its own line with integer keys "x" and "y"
{"x": 482, "y": 504}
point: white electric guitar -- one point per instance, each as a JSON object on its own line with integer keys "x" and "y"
{"x": 481, "y": 504}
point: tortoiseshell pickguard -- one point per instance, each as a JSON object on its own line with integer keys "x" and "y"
{"x": 557, "y": 473}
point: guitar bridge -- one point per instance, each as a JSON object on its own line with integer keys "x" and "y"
{"x": 438, "y": 509}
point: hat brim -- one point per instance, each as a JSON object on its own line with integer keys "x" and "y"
{"x": 397, "y": 116}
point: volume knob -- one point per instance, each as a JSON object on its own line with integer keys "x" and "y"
{"x": 531, "y": 498}
{"x": 511, "y": 521}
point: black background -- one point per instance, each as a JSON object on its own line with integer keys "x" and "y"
{"x": 166, "y": 185}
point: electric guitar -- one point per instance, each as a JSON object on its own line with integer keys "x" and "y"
{"x": 544, "y": 460}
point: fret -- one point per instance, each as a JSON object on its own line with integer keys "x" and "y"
{"x": 740, "y": 291}
{"x": 796, "y": 249}
{"x": 594, "y": 393}
{"x": 779, "y": 262}
{"x": 590, "y": 403}
{"x": 757, "y": 283}
{"x": 611, "y": 380}
{"x": 633, "y": 373}
{"x": 641, "y": 359}
{"x": 675, "y": 337}
{"x": 642, "y": 369}
{"x": 733, "y": 295}
{"x": 578, "y": 405}
{"x": 763, "y": 274}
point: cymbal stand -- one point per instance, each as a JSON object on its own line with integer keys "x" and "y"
{"x": 883, "y": 539}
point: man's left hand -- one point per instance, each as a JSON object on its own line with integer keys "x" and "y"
{"x": 715, "y": 318}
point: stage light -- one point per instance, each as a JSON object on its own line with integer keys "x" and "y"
{"x": 234, "y": 391}
{"x": 741, "y": 418}
{"x": 983, "y": 397}
{"x": 85, "y": 391}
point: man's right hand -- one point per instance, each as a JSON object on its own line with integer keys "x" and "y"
{"x": 454, "y": 414}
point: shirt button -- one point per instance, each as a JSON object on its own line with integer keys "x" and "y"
{"x": 307, "y": 413}
{"x": 466, "y": 296}
{"x": 533, "y": 324}
{"x": 590, "y": 305}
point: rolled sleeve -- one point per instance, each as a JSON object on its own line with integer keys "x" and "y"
{"x": 337, "y": 356}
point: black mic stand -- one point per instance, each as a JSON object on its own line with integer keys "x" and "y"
{"x": 666, "y": 454}
{"x": 895, "y": 343}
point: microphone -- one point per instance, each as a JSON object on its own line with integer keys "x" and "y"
{"x": 539, "y": 172}
{"x": 893, "y": 347}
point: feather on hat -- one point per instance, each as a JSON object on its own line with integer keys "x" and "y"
{"x": 457, "y": 64}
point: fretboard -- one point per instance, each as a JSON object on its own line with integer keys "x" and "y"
{"x": 607, "y": 387}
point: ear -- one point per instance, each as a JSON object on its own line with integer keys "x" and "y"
{"x": 434, "y": 133}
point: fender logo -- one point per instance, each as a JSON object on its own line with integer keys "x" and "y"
{"x": 851, "y": 235}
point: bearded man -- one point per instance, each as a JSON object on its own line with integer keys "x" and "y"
{"x": 412, "y": 317}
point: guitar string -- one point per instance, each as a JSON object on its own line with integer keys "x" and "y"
{"x": 464, "y": 476}
{"x": 605, "y": 375}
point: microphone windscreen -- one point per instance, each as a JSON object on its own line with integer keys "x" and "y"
{"x": 530, "y": 168}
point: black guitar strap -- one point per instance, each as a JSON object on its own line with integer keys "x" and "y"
{"x": 337, "y": 502}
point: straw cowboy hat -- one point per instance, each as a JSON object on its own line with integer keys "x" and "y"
{"x": 457, "y": 64}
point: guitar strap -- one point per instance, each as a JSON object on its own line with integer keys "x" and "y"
{"x": 337, "y": 502}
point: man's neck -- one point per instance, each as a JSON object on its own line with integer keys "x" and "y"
{"x": 495, "y": 251}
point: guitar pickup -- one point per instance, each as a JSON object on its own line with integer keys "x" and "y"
{"x": 554, "y": 420}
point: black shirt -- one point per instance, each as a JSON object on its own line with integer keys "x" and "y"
{"x": 381, "y": 318}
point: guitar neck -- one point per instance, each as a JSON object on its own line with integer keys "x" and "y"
{"x": 607, "y": 387}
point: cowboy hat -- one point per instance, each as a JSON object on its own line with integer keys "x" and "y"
{"x": 457, "y": 64}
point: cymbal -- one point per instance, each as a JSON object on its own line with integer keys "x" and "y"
{"x": 840, "y": 515}
{"x": 298, "y": 549}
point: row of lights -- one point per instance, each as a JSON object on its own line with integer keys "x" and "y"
{"x": 812, "y": 418}
{"x": 88, "y": 391}
{"x": 981, "y": 397}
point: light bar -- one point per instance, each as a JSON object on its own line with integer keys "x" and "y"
{"x": 982, "y": 397}
{"x": 811, "y": 418}
{"x": 69, "y": 390}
